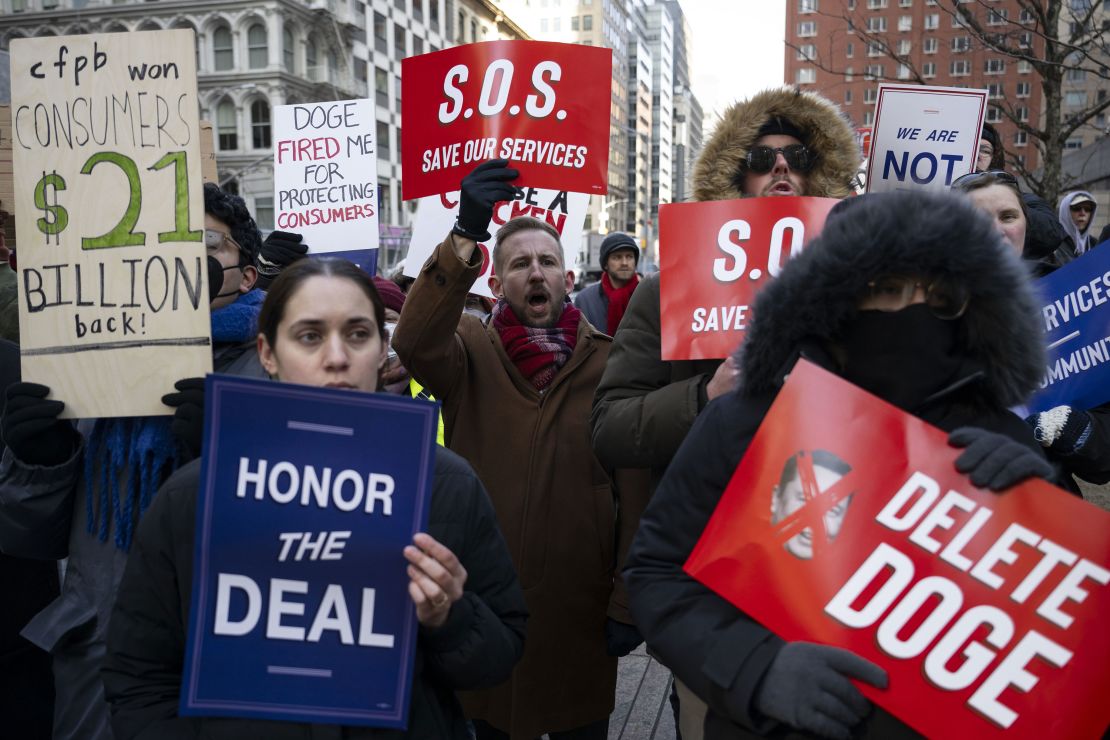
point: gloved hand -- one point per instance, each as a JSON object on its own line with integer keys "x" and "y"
{"x": 32, "y": 429}
{"x": 188, "y": 415}
{"x": 996, "y": 461}
{"x": 486, "y": 185}
{"x": 281, "y": 249}
{"x": 620, "y": 638}
{"x": 807, "y": 687}
{"x": 1063, "y": 430}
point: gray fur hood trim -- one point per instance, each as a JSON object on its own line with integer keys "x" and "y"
{"x": 937, "y": 235}
{"x": 827, "y": 130}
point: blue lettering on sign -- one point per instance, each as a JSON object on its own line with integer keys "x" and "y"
{"x": 922, "y": 169}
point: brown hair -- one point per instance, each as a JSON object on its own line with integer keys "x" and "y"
{"x": 517, "y": 225}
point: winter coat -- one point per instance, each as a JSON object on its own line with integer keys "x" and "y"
{"x": 593, "y": 302}
{"x": 1082, "y": 240}
{"x": 555, "y": 502}
{"x": 43, "y": 514}
{"x": 716, "y": 650}
{"x": 1045, "y": 238}
{"x": 477, "y": 646}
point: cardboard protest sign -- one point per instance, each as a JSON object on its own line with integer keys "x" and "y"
{"x": 714, "y": 257}
{"x": 924, "y": 137}
{"x": 435, "y": 216}
{"x": 326, "y": 175}
{"x": 847, "y": 524}
{"x": 113, "y": 282}
{"x": 208, "y": 170}
{"x": 1076, "y": 314}
{"x": 542, "y": 105}
{"x": 300, "y": 607}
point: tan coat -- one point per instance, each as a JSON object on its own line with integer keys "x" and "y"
{"x": 554, "y": 501}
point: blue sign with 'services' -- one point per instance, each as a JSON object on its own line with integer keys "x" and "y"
{"x": 1076, "y": 313}
{"x": 300, "y": 607}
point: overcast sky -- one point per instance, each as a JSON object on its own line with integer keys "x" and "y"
{"x": 737, "y": 50}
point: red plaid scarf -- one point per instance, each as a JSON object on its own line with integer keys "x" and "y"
{"x": 618, "y": 300}
{"x": 537, "y": 353}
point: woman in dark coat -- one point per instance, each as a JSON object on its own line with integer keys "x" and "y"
{"x": 914, "y": 298}
{"x": 467, "y": 597}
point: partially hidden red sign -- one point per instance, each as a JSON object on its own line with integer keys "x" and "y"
{"x": 542, "y": 105}
{"x": 714, "y": 256}
{"x": 847, "y": 524}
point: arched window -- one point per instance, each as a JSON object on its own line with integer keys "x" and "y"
{"x": 260, "y": 124}
{"x": 310, "y": 61}
{"x": 333, "y": 63}
{"x": 287, "y": 50}
{"x": 223, "y": 53}
{"x": 257, "y": 51}
{"x": 227, "y": 130}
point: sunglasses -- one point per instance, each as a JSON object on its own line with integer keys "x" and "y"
{"x": 761, "y": 159}
{"x": 970, "y": 178}
{"x": 893, "y": 293}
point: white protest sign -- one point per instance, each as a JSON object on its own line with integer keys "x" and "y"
{"x": 326, "y": 174}
{"x": 113, "y": 282}
{"x": 435, "y": 217}
{"x": 924, "y": 137}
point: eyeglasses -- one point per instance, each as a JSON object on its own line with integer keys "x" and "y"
{"x": 965, "y": 181}
{"x": 761, "y": 159}
{"x": 214, "y": 238}
{"x": 893, "y": 293}
{"x": 1088, "y": 207}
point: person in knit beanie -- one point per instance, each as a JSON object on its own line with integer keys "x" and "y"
{"x": 605, "y": 302}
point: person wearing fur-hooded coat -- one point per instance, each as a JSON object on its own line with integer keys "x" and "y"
{"x": 950, "y": 373}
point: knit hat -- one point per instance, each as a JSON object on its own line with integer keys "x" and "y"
{"x": 392, "y": 296}
{"x": 618, "y": 240}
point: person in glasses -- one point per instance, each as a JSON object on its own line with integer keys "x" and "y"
{"x": 78, "y": 491}
{"x": 934, "y": 315}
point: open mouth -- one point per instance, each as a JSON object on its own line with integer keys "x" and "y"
{"x": 538, "y": 301}
{"x": 782, "y": 187}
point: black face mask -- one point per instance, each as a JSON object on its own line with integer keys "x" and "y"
{"x": 901, "y": 356}
{"x": 216, "y": 279}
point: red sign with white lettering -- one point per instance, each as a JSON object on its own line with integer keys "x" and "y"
{"x": 847, "y": 524}
{"x": 714, "y": 257}
{"x": 543, "y": 106}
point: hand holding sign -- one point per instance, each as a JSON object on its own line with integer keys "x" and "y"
{"x": 436, "y": 579}
{"x": 995, "y": 461}
{"x": 485, "y": 186}
{"x": 31, "y": 427}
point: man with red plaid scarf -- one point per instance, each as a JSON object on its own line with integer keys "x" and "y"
{"x": 516, "y": 392}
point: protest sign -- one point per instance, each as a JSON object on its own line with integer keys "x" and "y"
{"x": 924, "y": 137}
{"x": 113, "y": 283}
{"x": 208, "y": 170}
{"x": 435, "y": 217}
{"x": 300, "y": 607}
{"x": 715, "y": 256}
{"x": 847, "y": 524}
{"x": 1076, "y": 314}
{"x": 542, "y": 105}
{"x": 326, "y": 175}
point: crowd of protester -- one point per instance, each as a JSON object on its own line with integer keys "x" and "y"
{"x": 575, "y": 469}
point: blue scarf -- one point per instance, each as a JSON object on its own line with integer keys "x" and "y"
{"x": 141, "y": 451}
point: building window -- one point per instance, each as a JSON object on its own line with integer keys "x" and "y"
{"x": 905, "y": 3}
{"x": 876, "y": 4}
{"x": 873, "y": 72}
{"x": 994, "y": 115}
{"x": 807, "y": 52}
{"x": 473, "y": 29}
{"x": 1022, "y": 113}
{"x": 1073, "y": 144}
{"x": 1024, "y": 67}
{"x": 1075, "y": 98}
{"x": 381, "y": 35}
{"x": 807, "y": 28}
{"x": 433, "y": 15}
{"x": 1026, "y": 16}
{"x": 806, "y": 76}
{"x": 400, "y": 5}
{"x": 995, "y": 66}
{"x": 381, "y": 88}
{"x": 587, "y": 23}
{"x": 960, "y": 68}
{"x": 574, "y": 23}
{"x": 848, "y": 96}
{"x": 904, "y": 47}
{"x": 264, "y": 212}
{"x": 903, "y": 71}
{"x": 257, "y": 51}
{"x": 260, "y": 124}
{"x": 383, "y": 140}
{"x": 905, "y": 23}
{"x": 994, "y": 90}
{"x": 929, "y": 69}
{"x": 397, "y": 97}
{"x": 460, "y": 30}
{"x": 961, "y": 44}
{"x": 875, "y": 48}
{"x": 287, "y": 49}
{"x": 849, "y": 73}
{"x": 310, "y": 61}
{"x": 226, "y": 127}
{"x": 807, "y": 6}
{"x": 1020, "y": 138}
{"x": 876, "y": 23}
{"x": 868, "y": 118}
{"x": 418, "y": 10}
{"x": 400, "y": 48}
{"x": 417, "y": 46}
{"x": 929, "y": 46}
{"x": 997, "y": 16}
{"x": 932, "y": 21}
{"x": 1023, "y": 89}
{"x": 1025, "y": 40}
{"x": 223, "y": 53}
{"x": 361, "y": 69}
{"x": 1076, "y": 75}
{"x": 870, "y": 95}
{"x": 850, "y": 50}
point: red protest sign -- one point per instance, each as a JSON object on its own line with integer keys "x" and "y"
{"x": 714, "y": 257}
{"x": 544, "y": 106}
{"x": 847, "y": 524}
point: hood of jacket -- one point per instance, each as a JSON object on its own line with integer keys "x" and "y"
{"x": 1081, "y": 239}
{"x": 899, "y": 233}
{"x": 718, "y": 174}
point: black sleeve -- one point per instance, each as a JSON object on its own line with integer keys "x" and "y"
{"x": 1044, "y": 233}
{"x": 1092, "y": 461}
{"x": 717, "y": 651}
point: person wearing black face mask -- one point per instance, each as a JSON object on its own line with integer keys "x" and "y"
{"x": 934, "y": 315}
{"x": 78, "y": 492}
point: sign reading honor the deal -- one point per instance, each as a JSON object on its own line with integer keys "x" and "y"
{"x": 435, "y": 217}
{"x": 714, "y": 257}
{"x": 300, "y": 607}
{"x": 326, "y": 175}
{"x": 847, "y": 524}
{"x": 113, "y": 283}
{"x": 924, "y": 137}
{"x": 1076, "y": 313}
{"x": 543, "y": 106}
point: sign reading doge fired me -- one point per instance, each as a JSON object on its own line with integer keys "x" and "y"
{"x": 113, "y": 286}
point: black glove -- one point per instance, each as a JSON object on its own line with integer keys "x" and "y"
{"x": 32, "y": 429}
{"x": 486, "y": 185}
{"x": 620, "y": 638}
{"x": 1063, "y": 430}
{"x": 807, "y": 687}
{"x": 995, "y": 461}
{"x": 281, "y": 249}
{"x": 188, "y": 416}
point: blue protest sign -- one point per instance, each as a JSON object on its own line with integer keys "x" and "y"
{"x": 300, "y": 607}
{"x": 1076, "y": 313}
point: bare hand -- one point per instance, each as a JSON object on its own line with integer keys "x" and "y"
{"x": 393, "y": 372}
{"x": 436, "y": 579}
{"x": 724, "y": 380}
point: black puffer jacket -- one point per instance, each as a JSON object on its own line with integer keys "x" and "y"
{"x": 716, "y": 650}
{"x": 477, "y": 647}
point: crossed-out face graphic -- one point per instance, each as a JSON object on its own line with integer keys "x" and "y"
{"x": 807, "y": 494}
